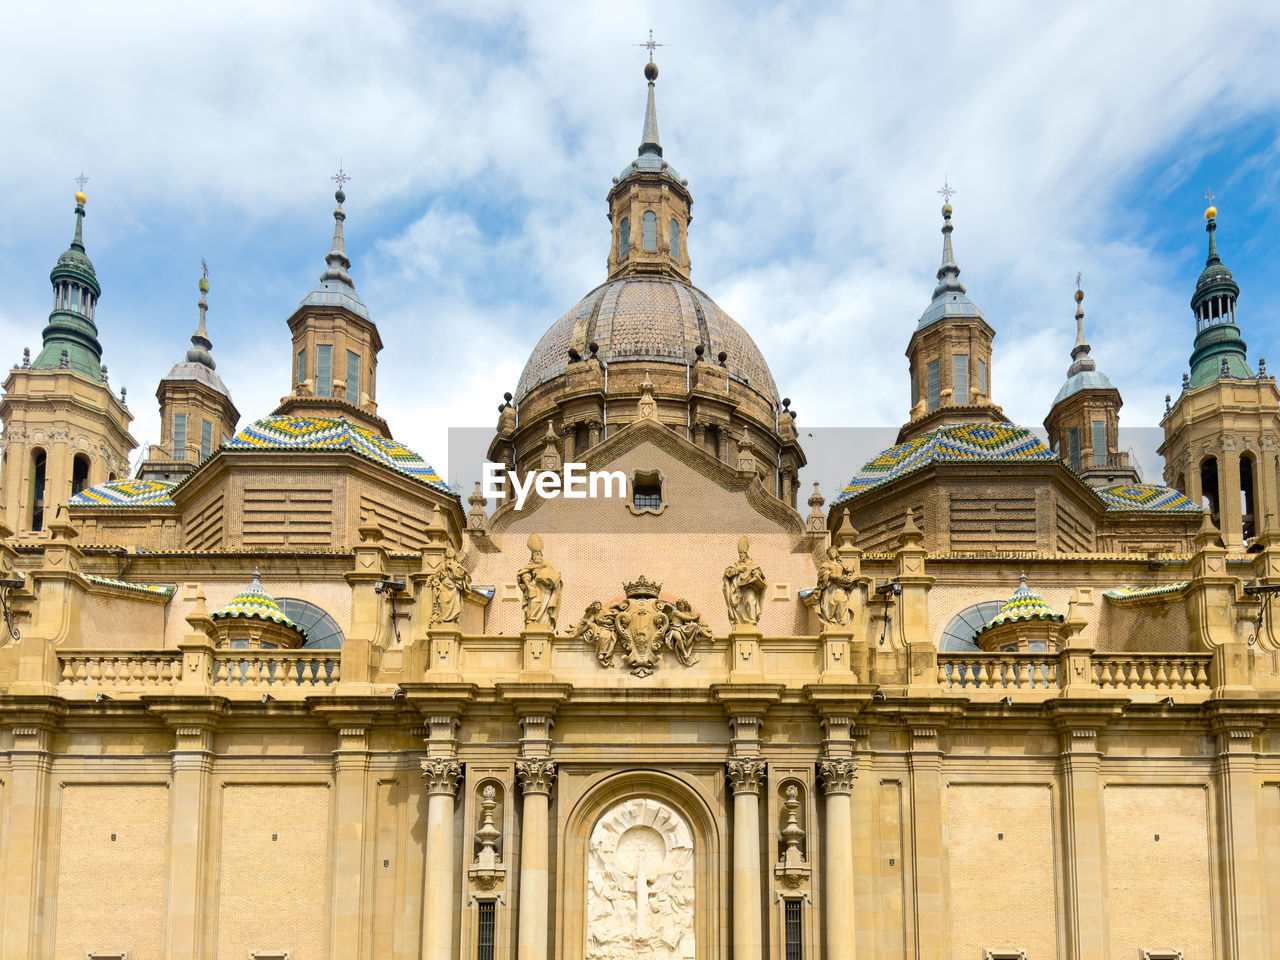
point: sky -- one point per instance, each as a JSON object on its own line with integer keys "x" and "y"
{"x": 482, "y": 137}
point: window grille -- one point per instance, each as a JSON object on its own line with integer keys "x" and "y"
{"x": 484, "y": 929}
{"x": 793, "y": 937}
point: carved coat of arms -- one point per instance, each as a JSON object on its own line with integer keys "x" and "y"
{"x": 641, "y": 628}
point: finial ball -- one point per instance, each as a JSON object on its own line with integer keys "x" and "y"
{"x": 340, "y": 195}
{"x": 1210, "y": 212}
{"x": 946, "y": 209}
{"x": 80, "y": 197}
{"x": 204, "y": 285}
{"x": 1079, "y": 295}
{"x": 651, "y": 71}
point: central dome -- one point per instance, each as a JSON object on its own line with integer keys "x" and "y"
{"x": 648, "y": 318}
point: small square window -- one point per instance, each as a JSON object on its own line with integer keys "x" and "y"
{"x": 647, "y": 492}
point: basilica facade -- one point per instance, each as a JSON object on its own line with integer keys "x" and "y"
{"x": 282, "y": 692}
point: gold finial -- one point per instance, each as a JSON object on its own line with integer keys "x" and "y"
{"x": 1210, "y": 211}
{"x": 650, "y": 68}
{"x": 204, "y": 279}
{"x": 946, "y": 192}
{"x": 80, "y": 182}
{"x": 1079, "y": 292}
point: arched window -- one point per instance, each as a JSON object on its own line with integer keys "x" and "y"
{"x": 79, "y": 473}
{"x": 649, "y": 232}
{"x": 35, "y": 496}
{"x": 958, "y": 636}
{"x": 1209, "y": 487}
{"x": 1248, "y": 524}
{"x": 323, "y": 632}
{"x": 624, "y": 238}
{"x": 675, "y": 239}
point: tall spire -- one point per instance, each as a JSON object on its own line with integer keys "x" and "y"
{"x": 649, "y": 142}
{"x": 200, "y": 342}
{"x": 337, "y": 260}
{"x": 949, "y": 272}
{"x": 71, "y": 326}
{"x": 1080, "y": 352}
{"x": 1218, "y": 344}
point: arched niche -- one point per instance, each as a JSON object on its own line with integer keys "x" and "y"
{"x": 608, "y": 795}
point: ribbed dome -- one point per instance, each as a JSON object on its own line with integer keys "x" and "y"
{"x": 648, "y": 318}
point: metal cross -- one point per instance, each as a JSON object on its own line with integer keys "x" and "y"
{"x": 82, "y": 180}
{"x": 205, "y": 267}
{"x": 651, "y": 44}
{"x": 1209, "y": 195}
{"x": 1079, "y": 277}
{"x": 339, "y": 178}
{"x": 947, "y": 192}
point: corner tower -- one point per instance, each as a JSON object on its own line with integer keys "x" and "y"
{"x": 335, "y": 344}
{"x": 196, "y": 412}
{"x": 64, "y": 430}
{"x": 950, "y": 352}
{"x": 1222, "y": 436}
{"x": 649, "y": 208}
{"x": 1084, "y": 422}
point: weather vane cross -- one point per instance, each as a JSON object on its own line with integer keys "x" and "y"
{"x": 81, "y": 181}
{"x": 1079, "y": 277}
{"x": 204, "y": 267}
{"x": 947, "y": 191}
{"x": 1210, "y": 195}
{"x": 651, "y": 44}
{"x": 340, "y": 178}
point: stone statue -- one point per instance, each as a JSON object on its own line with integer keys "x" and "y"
{"x": 451, "y": 581}
{"x": 836, "y": 582}
{"x": 540, "y": 586}
{"x": 744, "y": 584}
{"x": 643, "y": 627}
{"x": 640, "y": 889}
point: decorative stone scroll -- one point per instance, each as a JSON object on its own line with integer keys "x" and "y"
{"x": 640, "y": 884}
{"x": 442, "y": 774}
{"x": 642, "y": 628}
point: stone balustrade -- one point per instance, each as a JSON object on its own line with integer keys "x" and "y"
{"x": 998, "y": 671}
{"x": 276, "y": 668}
{"x": 1152, "y": 671}
{"x": 89, "y": 668}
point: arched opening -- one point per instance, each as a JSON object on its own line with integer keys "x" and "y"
{"x": 1248, "y": 526}
{"x": 35, "y": 488}
{"x": 1209, "y": 487}
{"x": 624, "y": 238}
{"x": 323, "y": 632}
{"x": 957, "y": 637}
{"x": 649, "y": 231}
{"x": 675, "y": 239}
{"x": 79, "y": 473}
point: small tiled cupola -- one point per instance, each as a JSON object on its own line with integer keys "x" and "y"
{"x": 253, "y": 620}
{"x": 1024, "y": 624}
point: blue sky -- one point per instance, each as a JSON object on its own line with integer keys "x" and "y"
{"x": 482, "y": 137}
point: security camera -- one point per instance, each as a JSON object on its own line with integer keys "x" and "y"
{"x": 267, "y": 697}
{"x": 397, "y": 693}
{"x": 101, "y": 698}
{"x": 879, "y": 695}
{"x": 388, "y": 586}
{"x": 1008, "y": 701}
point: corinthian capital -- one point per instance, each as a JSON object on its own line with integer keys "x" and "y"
{"x": 536, "y": 776}
{"x": 441, "y": 774}
{"x": 838, "y": 775}
{"x": 745, "y": 775}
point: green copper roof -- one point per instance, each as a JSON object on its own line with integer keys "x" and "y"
{"x": 1218, "y": 336}
{"x": 71, "y": 328}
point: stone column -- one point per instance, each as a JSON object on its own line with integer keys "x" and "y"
{"x": 929, "y": 850}
{"x": 1229, "y": 516}
{"x": 1243, "y": 878}
{"x": 23, "y": 877}
{"x": 1081, "y": 761}
{"x": 188, "y": 832}
{"x": 744, "y": 780}
{"x": 441, "y": 774}
{"x": 536, "y": 778}
{"x": 838, "y": 776}
{"x": 348, "y": 932}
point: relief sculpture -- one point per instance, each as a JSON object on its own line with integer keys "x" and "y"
{"x": 640, "y": 884}
{"x": 642, "y": 628}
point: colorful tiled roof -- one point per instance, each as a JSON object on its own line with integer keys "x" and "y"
{"x": 157, "y": 589}
{"x": 1144, "y": 593}
{"x": 335, "y": 433}
{"x": 1146, "y": 496}
{"x": 255, "y": 603}
{"x": 126, "y": 493}
{"x": 993, "y": 442}
{"x": 1023, "y": 605}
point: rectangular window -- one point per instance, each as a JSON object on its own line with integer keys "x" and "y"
{"x": 324, "y": 370}
{"x": 793, "y": 937}
{"x": 982, "y": 376}
{"x": 960, "y": 378}
{"x": 206, "y": 438}
{"x": 1099, "y": 443}
{"x": 1073, "y": 447}
{"x": 302, "y": 365}
{"x": 353, "y": 378}
{"x": 934, "y": 388}
{"x": 484, "y": 930}
{"x": 179, "y": 436}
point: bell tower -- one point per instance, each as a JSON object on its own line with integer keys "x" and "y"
{"x": 1222, "y": 435}
{"x": 64, "y": 430}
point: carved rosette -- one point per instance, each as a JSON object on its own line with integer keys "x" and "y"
{"x": 745, "y": 775}
{"x": 442, "y": 774}
{"x": 838, "y": 775}
{"x": 536, "y": 776}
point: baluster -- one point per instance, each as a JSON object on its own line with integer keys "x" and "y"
{"x": 1162, "y": 675}
{"x": 222, "y": 672}
{"x": 335, "y": 669}
{"x": 1148, "y": 679}
{"x": 1202, "y": 678}
{"x": 1133, "y": 675}
{"x": 983, "y": 678}
{"x": 68, "y": 672}
{"x": 1176, "y": 678}
{"x": 1021, "y": 675}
